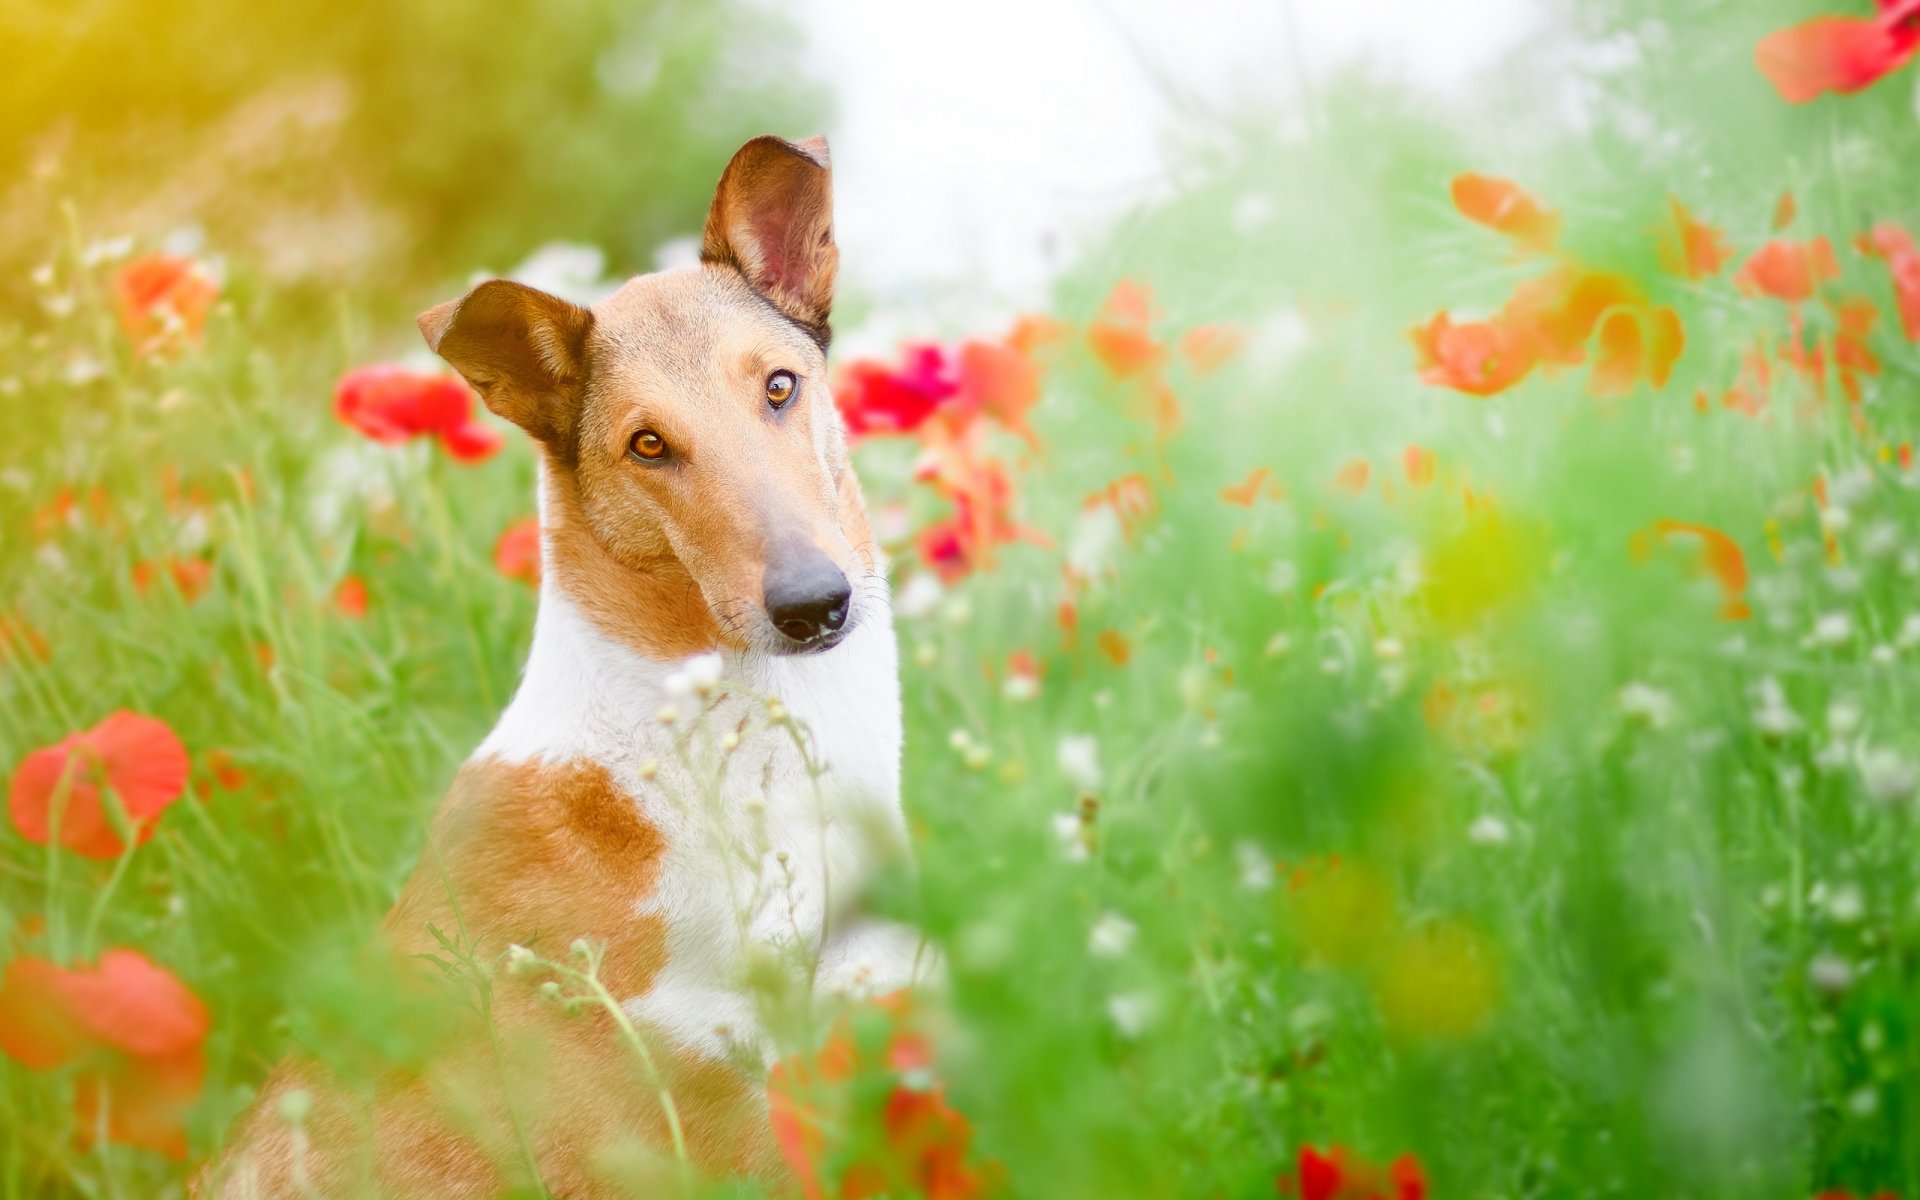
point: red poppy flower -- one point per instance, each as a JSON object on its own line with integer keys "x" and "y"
{"x": 1840, "y": 54}
{"x": 1692, "y": 249}
{"x": 226, "y": 771}
{"x": 1896, "y": 246}
{"x": 1339, "y": 1175}
{"x": 1247, "y": 491}
{"x": 1784, "y": 210}
{"x": 139, "y": 758}
{"x": 517, "y": 554}
{"x": 164, "y": 300}
{"x": 1353, "y": 475}
{"x": 982, "y": 496}
{"x": 874, "y": 398}
{"x": 1501, "y": 204}
{"x": 392, "y": 405}
{"x": 919, "y": 1144}
{"x": 350, "y": 598}
{"x": 1121, "y": 337}
{"x": 1789, "y": 271}
{"x": 133, "y": 1030}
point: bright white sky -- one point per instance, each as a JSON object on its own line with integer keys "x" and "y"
{"x": 976, "y": 140}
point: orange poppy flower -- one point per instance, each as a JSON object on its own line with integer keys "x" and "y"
{"x": 1353, "y": 475}
{"x": 1246, "y": 492}
{"x": 1789, "y": 271}
{"x": 139, "y": 758}
{"x": 1480, "y": 358}
{"x": 1121, "y": 337}
{"x": 1784, "y": 210}
{"x": 1000, "y": 382}
{"x": 1034, "y": 332}
{"x": 1419, "y": 465}
{"x": 391, "y": 405}
{"x": 1721, "y": 557}
{"x": 227, "y": 772}
{"x": 191, "y": 576}
{"x": 1210, "y": 347}
{"x": 1501, "y": 205}
{"x": 164, "y": 300}
{"x": 1839, "y": 54}
{"x": 517, "y": 554}
{"x": 134, "y": 1032}
{"x": 350, "y": 598}
{"x": 1115, "y": 647}
{"x": 1692, "y": 249}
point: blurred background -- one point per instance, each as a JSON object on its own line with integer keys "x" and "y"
{"x": 1409, "y": 651}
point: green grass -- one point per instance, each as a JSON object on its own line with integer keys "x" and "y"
{"x": 1448, "y": 829}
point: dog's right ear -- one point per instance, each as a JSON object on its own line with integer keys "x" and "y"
{"x": 523, "y": 350}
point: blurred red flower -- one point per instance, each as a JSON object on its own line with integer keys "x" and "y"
{"x": 1502, "y": 205}
{"x": 1338, "y": 1175}
{"x": 1789, "y": 271}
{"x": 1839, "y": 54}
{"x": 914, "y": 1144}
{"x": 875, "y": 398}
{"x": 133, "y": 1030}
{"x": 982, "y": 495}
{"x": 350, "y": 597}
{"x": 1895, "y": 245}
{"x": 139, "y": 758}
{"x": 1419, "y": 464}
{"x": 190, "y": 575}
{"x": 392, "y": 404}
{"x": 517, "y": 554}
{"x": 1000, "y": 382}
{"x": 164, "y": 301}
{"x": 1210, "y": 347}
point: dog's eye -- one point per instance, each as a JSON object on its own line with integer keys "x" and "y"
{"x": 647, "y": 445}
{"x": 780, "y": 387}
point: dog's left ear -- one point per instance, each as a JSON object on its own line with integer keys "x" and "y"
{"x": 772, "y": 218}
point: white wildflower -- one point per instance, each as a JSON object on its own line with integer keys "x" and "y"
{"x": 1831, "y": 629}
{"x": 919, "y": 597}
{"x": 1282, "y": 577}
{"x": 1071, "y": 830}
{"x": 1078, "y": 755}
{"x": 1489, "y": 830}
{"x": 1772, "y": 716}
{"x": 1643, "y": 702}
{"x": 1132, "y": 1012}
{"x": 1830, "y": 973}
{"x": 1112, "y": 935}
{"x": 1844, "y": 715}
{"x": 1846, "y": 904}
{"x": 1256, "y": 868}
{"x": 1888, "y": 776}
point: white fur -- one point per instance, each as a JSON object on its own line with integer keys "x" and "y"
{"x": 728, "y": 813}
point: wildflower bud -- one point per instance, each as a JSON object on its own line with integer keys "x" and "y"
{"x": 550, "y": 990}
{"x": 730, "y": 741}
{"x": 581, "y": 948}
{"x": 977, "y": 758}
{"x": 926, "y": 654}
{"x": 649, "y": 769}
{"x": 781, "y": 858}
{"x": 776, "y": 712}
{"x": 295, "y": 1106}
{"x": 667, "y": 715}
{"x": 520, "y": 960}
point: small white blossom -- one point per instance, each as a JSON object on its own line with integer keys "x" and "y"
{"x": 1772, "y": 716}
{"x": 1845, "y": 904}
{"x": 1888, "y": 776}
{"x": 1830, "y": 973}
{"x": 1644, "y": 702}
{"x": 1078, "y": 755}
{"x": 1278, "y": 645}
{"x": 1112, "y": 935}
{"x": 1072, "y": 833}
{"x": 1256, "y": 868}
{"x": 1282, "y": 577}
{"x": 1132, "y": 1012}
{"x": 1831, "y": 629}
{"x": 1844, "y": 715}
{"x": 1489, "y": 830}
{"x": 919, "y": 597}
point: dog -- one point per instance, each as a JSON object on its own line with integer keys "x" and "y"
{"x": 675, "y": 815}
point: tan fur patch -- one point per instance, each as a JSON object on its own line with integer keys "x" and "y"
{"x": 535, "y": 854}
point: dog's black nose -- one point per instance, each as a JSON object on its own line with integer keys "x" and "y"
{"x": 806, "y": 596}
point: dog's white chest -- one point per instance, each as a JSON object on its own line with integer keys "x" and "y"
{"x": 776, "y": 791}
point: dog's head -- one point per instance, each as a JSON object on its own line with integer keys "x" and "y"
{"x": 696, "y": 480}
